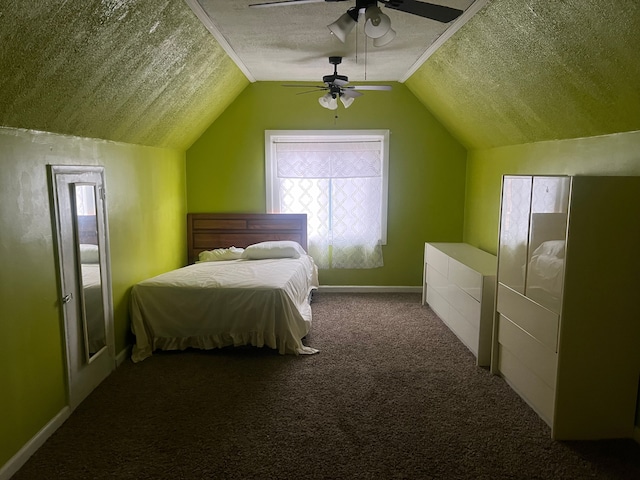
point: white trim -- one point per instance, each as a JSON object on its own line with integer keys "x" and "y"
{"x": 271, "y": 137}
{"x": 474, "y": 8}
{"x": 19, "y": 459}
{"x": 123, "y": 355}
{"x": 83, "y": 374}
{"x": 213, "y": 29}
{"x": 368, "y": 289}
{"x": 28, "y": 449}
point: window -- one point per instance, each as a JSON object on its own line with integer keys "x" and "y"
{"x": 339, "y": 179}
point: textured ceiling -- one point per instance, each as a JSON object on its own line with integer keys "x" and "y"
{"x": 136, "y": 71}
{"x": 292, "y": 42}
{"x": 528, "y": 71}
{"x": 148, "y": 72}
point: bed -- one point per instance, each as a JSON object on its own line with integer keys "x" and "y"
{"x": 545, "y": 271}
{"x": 92, "y": 297}
{"x": 249, "y": 282}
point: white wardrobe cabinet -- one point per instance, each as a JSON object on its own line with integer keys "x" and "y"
{"x": 459, "y": 286}
{"x": 567, "y": 331}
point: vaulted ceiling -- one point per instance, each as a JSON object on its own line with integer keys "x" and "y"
{"x": 149, "y": 72}
{"x": 528, "y": 71}
{"x": 137, "y": 71}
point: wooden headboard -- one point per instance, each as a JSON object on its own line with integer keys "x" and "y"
{"x": 207, "y": 231}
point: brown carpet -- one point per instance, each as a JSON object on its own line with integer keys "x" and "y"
{"x": 392, "y": 395}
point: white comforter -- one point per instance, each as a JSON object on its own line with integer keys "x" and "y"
{"x": 218, "y": 304}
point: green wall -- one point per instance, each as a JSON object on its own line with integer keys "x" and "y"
{"x": 146, "y": 203}
{"x": 617, "y": 154}
{"x": 225, "y": 169}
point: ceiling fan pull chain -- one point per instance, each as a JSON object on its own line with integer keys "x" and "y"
{"x": 365, "y": 58}
{"x": 357, "y": 36}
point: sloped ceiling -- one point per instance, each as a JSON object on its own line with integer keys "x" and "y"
{"x": 138, "y": 71}
{"x": 148, "y": 72}
{"x": 527, "y": 71}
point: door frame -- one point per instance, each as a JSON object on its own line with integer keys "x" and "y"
{"x": 82, "y": 375}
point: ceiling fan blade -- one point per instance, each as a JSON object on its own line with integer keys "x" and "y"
{"x": 290, "y": 2}
{"x": 319, "y": 87}
{"x": 312, "y": 91}
{"x": 340, "y": 82}
{"x": 314, "y": 88}
{"x": 350, "y": 93}
{"x": 439, "y": 13}
{"x": 371, "y": 87}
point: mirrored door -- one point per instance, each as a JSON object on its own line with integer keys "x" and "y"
{"x": 514, "y": 231}
{"x": 545, "y": 262}
{"x": 85, "y": 288}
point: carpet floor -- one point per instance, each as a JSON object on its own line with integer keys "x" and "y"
{"x": 393, "y": 394}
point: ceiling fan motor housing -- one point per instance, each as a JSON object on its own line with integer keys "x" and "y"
{"x": 334, "y": 77}
{"x": 335, "y": 91}
{"x": 330, "y": 80}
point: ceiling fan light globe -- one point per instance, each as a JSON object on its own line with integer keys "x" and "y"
{"x": 327, "y": 101}
{"x": 384, "y": 39}
{"x": 342, "y": 26}
{"x": 376, "y": 31}
{"x": 346, "y": 101}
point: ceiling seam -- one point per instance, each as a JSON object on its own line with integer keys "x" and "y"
{"x": 474, "y": 8}
{"x": 212, "y": 27}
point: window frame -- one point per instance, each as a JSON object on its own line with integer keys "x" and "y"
{"x": 271, "y": 137}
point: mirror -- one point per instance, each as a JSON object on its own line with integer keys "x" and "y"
{"x": 545, "y": 262}
{"x": 514, "y": 228}
{"x": 79, "y": 216}
{"x": 90, "y": 275}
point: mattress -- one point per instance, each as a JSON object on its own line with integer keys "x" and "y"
{"x": 226, "y": 303}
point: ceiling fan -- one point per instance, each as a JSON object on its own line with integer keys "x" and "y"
{"x": 337, "y": 87}
{"x": 377, "y": 25}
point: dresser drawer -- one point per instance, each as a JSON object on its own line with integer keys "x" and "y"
{"x": 467, "y": 306}
{"x": 466, "y": 331}
{"x": 467, "y": 279}
{"x": 437, "y": 281}
{"x": 542, "y": 361}
{"x": 437, "y": 260}
{"x": 529, "y": 386}
{"x": 438, "y": 303}
{"x": 537, "y": 321}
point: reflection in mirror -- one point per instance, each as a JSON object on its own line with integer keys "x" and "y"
{"x": 88, "y": 248}
{"x": 545, "y": 263}
{"x": 514, "y": 228}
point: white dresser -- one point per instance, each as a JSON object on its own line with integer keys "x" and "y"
{"x": 459, "y": 285}
{"x": 567, "y": 331}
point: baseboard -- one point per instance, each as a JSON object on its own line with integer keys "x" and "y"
{"x": 19, "y": 459}
{"x": 123, "y": 355}
{"x": 368, "y": 289}
{"x": 636, "y": 434}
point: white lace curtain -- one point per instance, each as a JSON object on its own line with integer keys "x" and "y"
{"x": 339, "y": 186}
{"x": 85, "y": 199}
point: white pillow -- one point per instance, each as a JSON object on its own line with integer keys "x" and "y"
{"x": 275, "y": 249}
{"x": 89, "y": 253}
{"x": 219, "y": 254}
{"x": 553, "y": 248}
